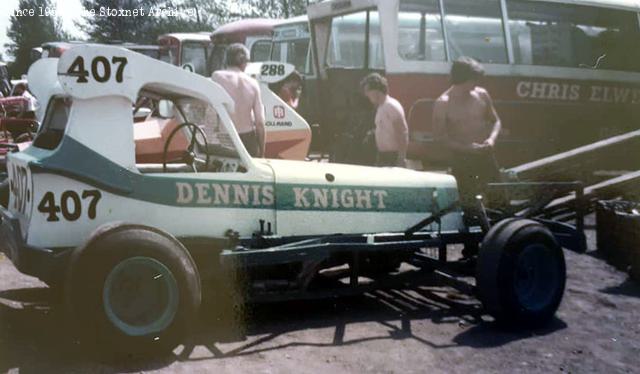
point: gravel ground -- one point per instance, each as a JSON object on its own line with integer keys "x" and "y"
{"x": 420, "y": 330}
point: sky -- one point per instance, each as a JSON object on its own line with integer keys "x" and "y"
{"x": 68, "y": 10}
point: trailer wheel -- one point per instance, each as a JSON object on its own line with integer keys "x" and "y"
{"x": 520, "y": 273}
{"x": 132, "y": 290}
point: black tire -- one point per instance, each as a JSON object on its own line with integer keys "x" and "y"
{"x": 116, "y": 279}
{"x": 521, "y": 273}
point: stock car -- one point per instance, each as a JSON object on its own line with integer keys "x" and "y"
{"x": 132, "y": 245}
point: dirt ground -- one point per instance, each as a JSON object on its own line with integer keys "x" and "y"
{"x": 408, "y": 331}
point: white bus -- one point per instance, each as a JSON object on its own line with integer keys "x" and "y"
{"x": 563, "y": 73}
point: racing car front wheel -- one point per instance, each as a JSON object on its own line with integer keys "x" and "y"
{"x": 520, "y": 273}
{"x": 133, "y": 290}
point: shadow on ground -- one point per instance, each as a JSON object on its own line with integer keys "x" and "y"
{"x": 33, "y": 333}
{"x": 628, "y": 288}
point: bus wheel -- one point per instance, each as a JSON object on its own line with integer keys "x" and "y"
{"x": 132, "y": 290}
{"x": 520, "y": 273}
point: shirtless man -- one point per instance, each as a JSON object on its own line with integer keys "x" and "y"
{"x": 466, "y": 121}
{"x": 392, "y": 132}
{"x": 248, "y": 116}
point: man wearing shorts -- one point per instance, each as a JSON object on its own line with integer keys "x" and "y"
{"x": 466, "y": 121}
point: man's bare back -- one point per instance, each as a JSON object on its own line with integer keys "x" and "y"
{"x": 466, "y": 120}
{"x": 245, "y": 93}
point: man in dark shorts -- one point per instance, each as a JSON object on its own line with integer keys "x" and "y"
{"x": 466, "y": 121}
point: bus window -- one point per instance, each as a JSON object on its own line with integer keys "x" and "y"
{"x": 573, "y": 36}
{"x": 195, "y": 54}
{"x": 261, "y": 50}
{"x": 376, "y": 59}
{"x": 420, "y": 36}
{"x": 346, "y": 44}
{"x": 347, "y": 41}
{"x": 474, "y": 29}
{"x": 153, "y": 53}
{"x": 296, "y": 53}
{"x": 168, "y": 55}
{"x": 217, "y": 57}
{"x": 276, "y": 51}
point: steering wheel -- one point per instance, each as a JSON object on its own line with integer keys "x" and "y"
{"x": 190, "y": 157}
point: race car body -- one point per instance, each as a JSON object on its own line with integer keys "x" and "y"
{"x": 81, "y": 171}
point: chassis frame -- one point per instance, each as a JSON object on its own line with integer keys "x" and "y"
{"x": 244, "y": 255}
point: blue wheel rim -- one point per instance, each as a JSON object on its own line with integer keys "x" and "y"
{"x": 140, "y": 296}
{"x": 537, "y": 277}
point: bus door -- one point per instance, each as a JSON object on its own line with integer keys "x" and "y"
{"x": 291, "y": 44}
{"x": 348, "y": 47}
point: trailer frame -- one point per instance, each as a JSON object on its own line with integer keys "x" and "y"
{"x": 427, "y": 251}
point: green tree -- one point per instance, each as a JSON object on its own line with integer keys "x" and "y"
{"x": 27, "y": 32}
{"x": 219, "y": 12}
{"x": 205, "y": 15}
{"x": 142, "y": 29}
{"x": 277, "y": 8}
{"x": 105, "y": 29}
{"x": 210, "y": 13}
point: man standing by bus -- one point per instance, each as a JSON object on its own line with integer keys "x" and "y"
{"x": 466, "y": 121}
{"x": 248, "y": 116}
{"x": 392, "y": 132}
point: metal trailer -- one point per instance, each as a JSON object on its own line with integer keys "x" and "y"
{"x": 431, "y": 254}
{"x": 558, "y": 201}
{"x": 576, "y": 164}
{"x": 562, "y": 209}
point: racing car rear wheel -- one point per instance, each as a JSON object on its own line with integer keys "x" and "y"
{"x": 520, "y": 273}
{"x": 133, "y": 290}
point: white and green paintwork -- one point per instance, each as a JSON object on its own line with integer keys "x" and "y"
{"x": 97, "y": 154}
